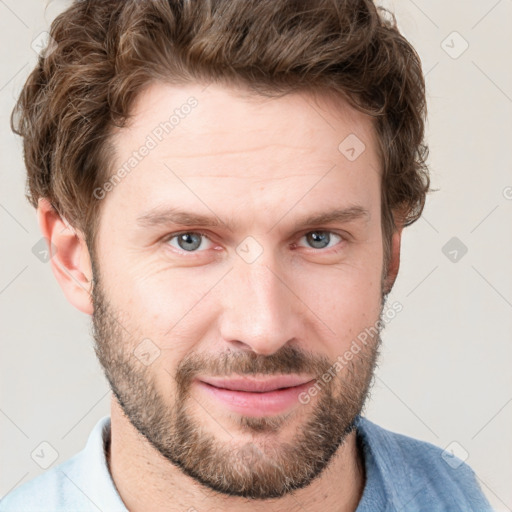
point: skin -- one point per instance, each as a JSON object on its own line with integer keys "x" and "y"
{"x": 261, "y": 164}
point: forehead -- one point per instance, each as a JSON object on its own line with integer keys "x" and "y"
{"x": 231, "y": 145}
{"x": 220, "y": 108}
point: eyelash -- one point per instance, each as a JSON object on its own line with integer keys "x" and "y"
{"x": 205, "y": 235}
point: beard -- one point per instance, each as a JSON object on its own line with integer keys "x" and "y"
{"x": 254, "y": 470}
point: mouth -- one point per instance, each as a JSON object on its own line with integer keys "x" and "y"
{"x": 252, "y": 385}
{"x": 256, "y": 397}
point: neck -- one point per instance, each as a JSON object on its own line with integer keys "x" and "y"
{"x": 146, "y": 480}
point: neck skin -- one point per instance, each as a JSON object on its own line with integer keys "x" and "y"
{"x": 147, "y": 481}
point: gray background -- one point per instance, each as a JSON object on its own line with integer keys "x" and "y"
{"x": 444, "y": 375}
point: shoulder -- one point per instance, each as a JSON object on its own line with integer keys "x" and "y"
{"x": 80, "y": 484}
{"x": 419, "y": 474}
{"x": 52, "y": 490}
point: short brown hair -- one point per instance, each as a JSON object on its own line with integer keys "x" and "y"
{"x": 108, "y": 50}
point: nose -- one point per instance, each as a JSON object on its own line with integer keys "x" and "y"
{"x": 260, "y": 311}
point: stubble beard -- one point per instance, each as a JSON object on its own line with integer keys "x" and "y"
{"x": 250, "y": 469}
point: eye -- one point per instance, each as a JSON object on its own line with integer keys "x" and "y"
{"x": 192, "y": 241}
{"x": 188, "y": 241}
{"x": 320, "y": 239}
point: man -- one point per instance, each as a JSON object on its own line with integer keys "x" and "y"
{"x": 224, "y": 186}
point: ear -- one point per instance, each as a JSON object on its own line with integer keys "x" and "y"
{"x": 394, "y": 260}
{"x": 69, "y": 256}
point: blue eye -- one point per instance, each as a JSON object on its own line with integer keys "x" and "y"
{"x": 192, "y": 241}
{"x": 188, "y": 241}
{"x": 320, "y": 239}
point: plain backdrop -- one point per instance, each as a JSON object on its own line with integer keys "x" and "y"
{"x": 444, "y": 374}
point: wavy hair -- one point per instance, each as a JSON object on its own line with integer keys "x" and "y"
{"x": 106, "y": 51}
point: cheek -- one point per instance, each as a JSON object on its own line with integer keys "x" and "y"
{"x": 347, "y": 298}
{"x": 169, "y": 306}
{"x": 149, "y": 305}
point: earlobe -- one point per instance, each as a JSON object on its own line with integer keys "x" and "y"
{"x": 69, "y": 256}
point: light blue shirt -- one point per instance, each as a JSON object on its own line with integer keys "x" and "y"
{"x": 402, "y": 474}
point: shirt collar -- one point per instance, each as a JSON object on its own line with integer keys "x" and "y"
{"x": 97, "y": 484}
{"x": 95, "y": 480}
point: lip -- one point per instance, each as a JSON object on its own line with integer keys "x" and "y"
{"x": 255, "y": 397}
{"x": 253, "y": 385}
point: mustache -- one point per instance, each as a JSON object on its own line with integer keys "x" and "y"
{"x": 288, "y": 360}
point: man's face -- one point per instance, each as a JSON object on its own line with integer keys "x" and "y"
{"x": 260, "y": 295}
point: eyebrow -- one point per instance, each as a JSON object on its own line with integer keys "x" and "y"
{"x": 166, "y": 216}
